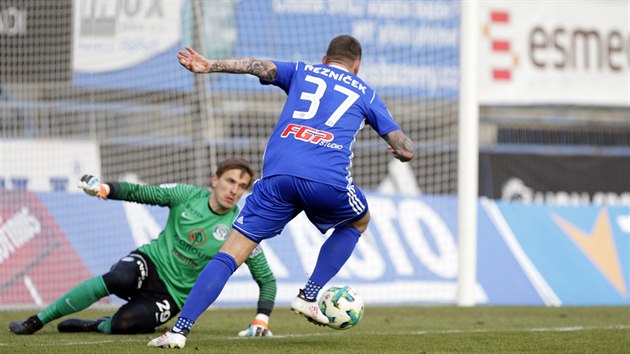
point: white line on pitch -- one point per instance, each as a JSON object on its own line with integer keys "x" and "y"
{"x": 91, "y": 342}
{"x": 295, "y": 335}
{"x": 422, "y": 332}
{"x": 549, "y": 329}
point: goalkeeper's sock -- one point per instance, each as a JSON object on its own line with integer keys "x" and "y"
{"x": 105, "y": 326}
{"x": 332, "y": 256}
{"x": 207, "y": 288}
{"x": 75, "y": 300}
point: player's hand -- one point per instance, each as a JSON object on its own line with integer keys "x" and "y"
{"x": 256, "y": 329}
{"x": 400, "y": 145}
{"x": 393, "y": 151}
{"x": 193, "y": 61}
{"x": 91, "y": 185}
{"x": 401, "y": 156}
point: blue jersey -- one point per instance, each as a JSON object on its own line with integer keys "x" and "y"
{"x": 325, "y": 109}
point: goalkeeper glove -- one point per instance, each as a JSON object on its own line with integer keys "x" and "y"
{"x": 91, "y": 185}
{"x": 257, "y": 328}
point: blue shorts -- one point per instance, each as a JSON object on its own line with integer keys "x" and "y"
{"x": 276, "y": 200}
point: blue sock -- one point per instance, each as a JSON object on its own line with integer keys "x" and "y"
{"x": 207, "y": 288}
{"x": 332, "y": 256}
{"x": 183, "y": 323}
{"x": 311, "y": 289}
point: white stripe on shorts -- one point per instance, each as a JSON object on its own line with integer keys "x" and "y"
{"x": 355, "y": 202}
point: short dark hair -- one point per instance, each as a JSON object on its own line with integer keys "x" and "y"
{"x": 237, "y": 163}
{"x": 345, "y": 49}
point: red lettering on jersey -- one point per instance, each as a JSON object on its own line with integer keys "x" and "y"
{"x": 291, "y": 128}
{"x": 304, "y": 133}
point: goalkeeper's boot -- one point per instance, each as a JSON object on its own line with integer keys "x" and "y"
{"x": 170, "y": 339}
{"x": 309, "y": 309}
{"x": 79, "y": 325}
{"x": 29, "y": 326}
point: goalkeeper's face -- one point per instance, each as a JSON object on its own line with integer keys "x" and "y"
{"x": 228, "y": 189}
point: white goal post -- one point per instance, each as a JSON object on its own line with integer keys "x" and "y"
{"x": 468, "y": 153}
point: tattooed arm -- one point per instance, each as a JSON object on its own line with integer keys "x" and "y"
{"x": 198, "y": 64}
{"x": 400, "y": 145}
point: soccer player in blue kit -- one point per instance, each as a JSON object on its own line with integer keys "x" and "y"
{"x": 306, "y": 167}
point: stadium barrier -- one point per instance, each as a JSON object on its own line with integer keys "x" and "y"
{"x": 558, "y": 255}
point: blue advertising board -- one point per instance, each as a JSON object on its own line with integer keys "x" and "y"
{"x": 581, "y": 252}
{"x": 527, "y": 254}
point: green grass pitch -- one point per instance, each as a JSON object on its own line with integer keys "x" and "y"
{"x": 382, "y": 330}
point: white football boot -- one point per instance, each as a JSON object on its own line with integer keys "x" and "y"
{"x": 309, "y": 309}
{"x": 169, "y": 340}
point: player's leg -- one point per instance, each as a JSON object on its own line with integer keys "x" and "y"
{"x": 141, "y": 314}
{"x": 128, "y": 275}
{"x": 148, "y": 308}
{"x": 212, "y": 279}
{"x": 264, "y": 215}
{"x": 207, "y": 288}
{"x": 347, "y": 212}
{"x": 75, "y": 300}
{"x": 123, "y": 280}
{"x": 333, "y": 254}
{"x": 267, "y": 210}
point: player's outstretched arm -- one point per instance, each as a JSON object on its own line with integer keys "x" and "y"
{"x": 198, "y": 64}
{"x": 400, "y": 145}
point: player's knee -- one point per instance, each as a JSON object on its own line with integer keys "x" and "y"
{"x": 126, "y": 276}
{"x": 362, "y": 223}
{"x": 132, "y": 322}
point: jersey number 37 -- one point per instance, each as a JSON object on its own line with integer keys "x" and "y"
{"x": 315, "y": 97}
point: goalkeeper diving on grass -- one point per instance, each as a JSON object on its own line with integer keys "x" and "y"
{"x": 156, "y": 278}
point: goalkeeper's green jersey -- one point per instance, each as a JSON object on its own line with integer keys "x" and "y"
{"x": 192, "y": 236}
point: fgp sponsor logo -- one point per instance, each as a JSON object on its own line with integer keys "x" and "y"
{"x": 311, "y": 135}
{"x": 197, "y": 237}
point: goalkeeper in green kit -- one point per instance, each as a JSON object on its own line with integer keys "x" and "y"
{"x": 156, "y": 278}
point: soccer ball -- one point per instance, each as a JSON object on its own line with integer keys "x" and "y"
{"x": 343, "y": 306}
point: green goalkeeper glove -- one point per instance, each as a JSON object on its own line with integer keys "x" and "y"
{"x": 91, "y": 185}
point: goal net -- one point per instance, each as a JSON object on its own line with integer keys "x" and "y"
{"x": 94, "y": 87}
